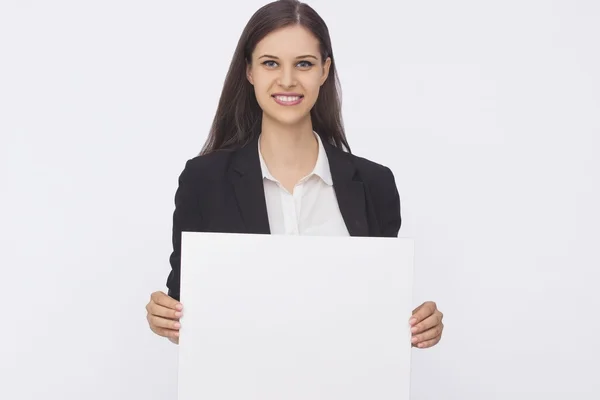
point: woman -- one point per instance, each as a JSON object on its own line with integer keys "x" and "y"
{"x": 277, "y": 160}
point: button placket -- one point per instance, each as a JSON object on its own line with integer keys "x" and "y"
{"x": 289, "y": 212}
{"x": 296, "y": 200}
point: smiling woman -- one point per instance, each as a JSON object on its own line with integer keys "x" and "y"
{"x": 278, "y": 73}
{"x": 285, "y": 50}
{"x": 288, "y": 76}
{"x": 277, "y": 160}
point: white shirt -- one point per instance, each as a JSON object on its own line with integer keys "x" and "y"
{"x": 312, "y": 208}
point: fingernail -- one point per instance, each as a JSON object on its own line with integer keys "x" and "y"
{"x": 413, "y": 320}
{"x": 413, "y": 329}
{"x": 179, "y": 307}
{"x": 178, "y": 314}
{"x": 414, "y": 340}
{"x": 177, "y": 325}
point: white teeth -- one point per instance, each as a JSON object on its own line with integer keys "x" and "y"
{"x": 287, "y": 99}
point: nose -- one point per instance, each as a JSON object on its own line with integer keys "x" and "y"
{"x": 287, "y": 77}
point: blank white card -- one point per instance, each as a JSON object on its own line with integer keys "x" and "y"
{"x": 274, "y": 317}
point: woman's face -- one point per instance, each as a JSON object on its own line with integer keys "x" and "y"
{"x": 287, "y": 72}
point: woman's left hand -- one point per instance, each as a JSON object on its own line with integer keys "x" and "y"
{"x": 426, "y": 325}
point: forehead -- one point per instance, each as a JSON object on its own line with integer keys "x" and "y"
{"x": 290, "y": 41}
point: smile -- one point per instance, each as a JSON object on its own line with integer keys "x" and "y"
{"x": 288, "y": 100}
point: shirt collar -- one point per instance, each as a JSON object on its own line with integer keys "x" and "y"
{"x": 321, "y": 168}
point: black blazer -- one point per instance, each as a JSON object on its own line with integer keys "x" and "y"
{"x": 223, "y": 192}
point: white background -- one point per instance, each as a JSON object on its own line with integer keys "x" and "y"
{"x": 488, "y": 112}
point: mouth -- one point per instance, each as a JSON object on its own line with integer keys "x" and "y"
{"x": 288, "y": 99}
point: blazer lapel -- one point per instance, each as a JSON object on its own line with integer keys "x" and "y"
{"x": 349, "y": 190}
{"x": 246, "y": 177}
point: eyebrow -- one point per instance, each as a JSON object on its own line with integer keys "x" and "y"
{"x": 277, "y": 58}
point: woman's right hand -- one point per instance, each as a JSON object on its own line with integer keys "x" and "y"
{"x": 163, "y": 316}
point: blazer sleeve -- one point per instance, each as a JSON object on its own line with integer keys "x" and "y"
{"x": 390, "y": 217}
{"x": 186, "y": 217}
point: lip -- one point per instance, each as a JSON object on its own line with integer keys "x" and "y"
{"x": 287, "y": 94}
{"x": 288, "y": 103}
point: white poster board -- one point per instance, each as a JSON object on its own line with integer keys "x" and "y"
{"x": 273, "y": 317}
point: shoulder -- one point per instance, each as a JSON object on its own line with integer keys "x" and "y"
{"x": 206, "y": 167}
{"x": 383, "y": 192}
{"x": 372, "y": 173}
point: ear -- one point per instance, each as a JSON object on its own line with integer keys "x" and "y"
{"x": 326, "y": 66}
{"x": 249, "y": 73}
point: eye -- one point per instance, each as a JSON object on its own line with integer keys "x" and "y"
{"x": 269, "y": 64}
{"x": 305, "y": 64}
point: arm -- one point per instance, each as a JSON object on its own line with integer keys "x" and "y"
{"x": 426, "y": 321}
{"x": 186, "y": 217}
{"x": 390, "y": 208}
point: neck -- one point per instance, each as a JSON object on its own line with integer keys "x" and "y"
{"x": 289, "y": 149}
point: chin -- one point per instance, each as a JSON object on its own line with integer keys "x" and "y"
{"x": 288, "y": 119}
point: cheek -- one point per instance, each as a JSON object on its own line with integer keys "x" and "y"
{"x": 261, "y": 92}
{"x": 264, "y": 100}
{"x": 311, "y": 89}
{"x": 262, "y": 85}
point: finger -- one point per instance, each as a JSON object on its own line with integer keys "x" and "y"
{"x": 162, "y": 331}
{"x": 428, "y": 335}
{"x": 162, "y": 299}
{"x": 158, "y": 322}
{"x": 429, "y": 343}
{"x": 168, "y": 333}
{"x": 161, "y": 311}
{"x": 423, "y": 311}
{"x": 427, "y": 323}
{"x": 417, "y": 309}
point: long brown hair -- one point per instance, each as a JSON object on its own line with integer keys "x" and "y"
{"x": 239, "y": 117}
